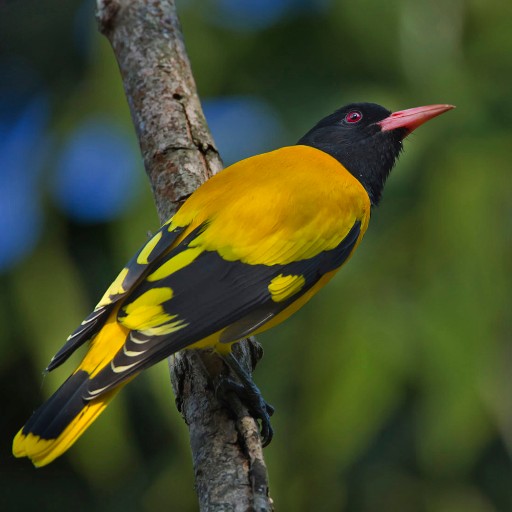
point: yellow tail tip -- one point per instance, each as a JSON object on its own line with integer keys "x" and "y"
{"x": 43, "y": 451}
{"x": 18, "y": 449}
{"x": 40, "y": 451}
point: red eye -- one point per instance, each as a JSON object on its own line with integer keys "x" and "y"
{"x": 354, "y": 116}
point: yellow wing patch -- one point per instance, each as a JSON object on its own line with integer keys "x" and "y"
{"x": 116, "y": 288}
{"x": 167, "y": 328}
{"x": 283, "y": 287}
{"x": 147, "y": 310}
{"x": 146, "y": 314}
{"x": 143, "y": 257}
{"x": 181, "y": 260}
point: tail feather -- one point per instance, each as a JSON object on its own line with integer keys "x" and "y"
{"x": 64, "y": 417}
{"x": 59, "y": 422}
{"x": 83, "y": 333}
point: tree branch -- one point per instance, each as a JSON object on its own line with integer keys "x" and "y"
{"x": 179, "y": 154}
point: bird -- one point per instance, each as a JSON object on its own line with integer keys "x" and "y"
{"x": 245, "y": 251}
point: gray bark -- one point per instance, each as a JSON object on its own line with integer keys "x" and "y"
{"x": 179, "y": 154}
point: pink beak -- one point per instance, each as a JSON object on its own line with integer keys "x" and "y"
{"x": 411, "y": 118}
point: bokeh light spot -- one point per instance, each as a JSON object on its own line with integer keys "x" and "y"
{"x": 243, "y": 126}
{"x": 23, "y": 148}
{"x": 96, "y": 176}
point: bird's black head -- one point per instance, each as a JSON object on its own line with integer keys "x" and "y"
{"x": 367, "y": 139}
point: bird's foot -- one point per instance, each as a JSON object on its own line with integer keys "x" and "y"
{"x": 252, "y": 399}
{"x": 249, "y": 395}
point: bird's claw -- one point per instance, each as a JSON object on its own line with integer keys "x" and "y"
{"x": 253, "y": 400}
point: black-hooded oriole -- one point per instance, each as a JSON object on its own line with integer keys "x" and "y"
{"x": 248, "y": 248}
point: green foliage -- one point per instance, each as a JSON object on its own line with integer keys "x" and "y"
{"x": 391, "y": 387}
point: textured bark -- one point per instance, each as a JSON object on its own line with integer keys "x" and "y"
{"x": 179, "y": 154}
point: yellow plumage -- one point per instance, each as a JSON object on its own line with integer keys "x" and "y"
{"x": 276, "y": 208}
{"x": 261, "y": 219}
{"x": 246, "y": 250}
{"x": 103, "y": 348}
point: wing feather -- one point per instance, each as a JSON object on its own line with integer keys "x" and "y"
{"x": 245, "y": 246}
{"x": 209, "y": 296}
{"x": 131, "y": 274}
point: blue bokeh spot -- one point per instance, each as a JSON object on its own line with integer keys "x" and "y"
{"x": 96, "y": 178}
{"x": 23, "y": 148}
{"x": 243, "y": 126}
{"x": 20, "y": 223}
{"x": 251, "y": 15}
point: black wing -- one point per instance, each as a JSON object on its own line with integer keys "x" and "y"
{"x": 131, "y": 274}
{"x": 208, "y": 295}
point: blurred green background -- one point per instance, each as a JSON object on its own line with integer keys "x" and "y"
{"x": 392, "y": 387}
